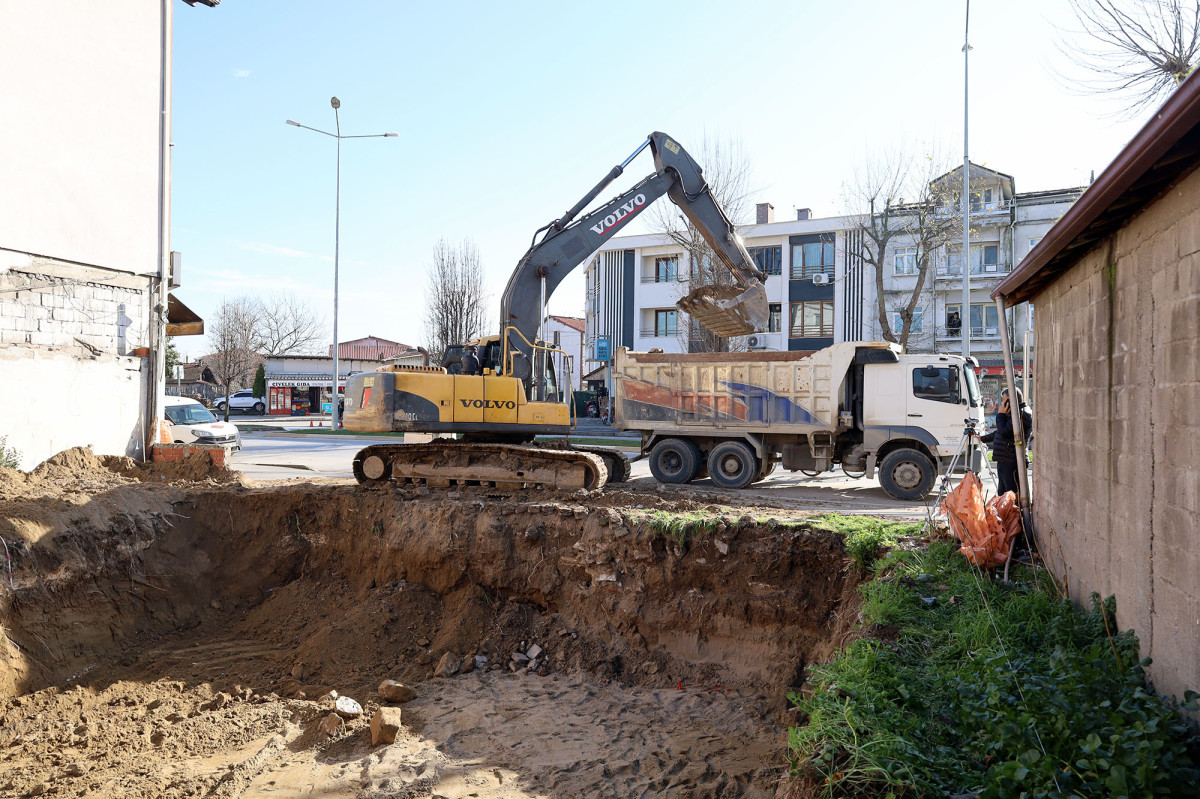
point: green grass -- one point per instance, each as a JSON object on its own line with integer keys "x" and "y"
{"x": 866, "y": 537}
{"x": 682, "y": 527}
{"x": 963, "y": 684}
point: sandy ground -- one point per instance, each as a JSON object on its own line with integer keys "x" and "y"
{"x": 179, "y": 634}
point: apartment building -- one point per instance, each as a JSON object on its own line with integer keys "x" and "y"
{"x": 820, "y": 288}
{"x": 633, "y": 283}
{"x": 1004, "y": 226}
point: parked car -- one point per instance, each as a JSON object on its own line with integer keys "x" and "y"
{"x": 243, "y": 401}
{"x": 192, "y": 423}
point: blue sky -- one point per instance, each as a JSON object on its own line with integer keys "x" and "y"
{"x": 509, "y": 113}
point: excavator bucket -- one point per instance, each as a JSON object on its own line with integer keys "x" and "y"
{"x": 729, "y": 310}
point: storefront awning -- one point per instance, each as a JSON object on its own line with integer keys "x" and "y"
{"x": 182, "y": 320}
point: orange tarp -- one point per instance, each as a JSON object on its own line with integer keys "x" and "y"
{"x": 985, "y": 529}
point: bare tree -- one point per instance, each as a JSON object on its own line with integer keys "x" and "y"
{"x": 728, "y": 174}
{"x": 287, "y": 325}
{"x": 1139, "y": 49}
{"x": 234, "y": 335}
{"x": 455, "y": 302}
{"x": 898, "y": 201}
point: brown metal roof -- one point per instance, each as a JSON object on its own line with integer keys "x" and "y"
{"x": 1165, "y": 150}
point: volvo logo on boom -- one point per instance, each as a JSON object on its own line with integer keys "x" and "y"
{"x": 625, "y": 209}
{"x": 469, "y": 403}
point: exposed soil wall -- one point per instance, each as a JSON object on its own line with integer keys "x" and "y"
{"x": 176, "y": 595}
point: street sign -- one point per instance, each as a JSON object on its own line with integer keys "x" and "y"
{"x": 603, "y": 349}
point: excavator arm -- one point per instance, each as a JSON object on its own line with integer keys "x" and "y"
{"x": 567, "y": 242}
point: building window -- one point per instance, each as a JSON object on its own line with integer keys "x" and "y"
{"x": 984, "y": 258}
{"x": 918, "y": 321}
{"x": 906, "y": 261}
{"x": 769, "y": 259}
{"x": 812, "y": 319}
{"x": 984, "y": 320}
{"x": 666, "y": 269}
{"x": 813, "y": 258}
{"x": 775, "y": 317}
{"x": 665, "y": 324}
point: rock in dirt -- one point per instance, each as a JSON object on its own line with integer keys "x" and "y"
{"x": 533, "y": 651}
{"x": 392, "y": 691}
{"x": 347, "y": 708}
{"x": 219, "y": 701}
{"x": 385, "y": 725}
{"x": 448, "y": 666}
{"x": 331, "y": 725}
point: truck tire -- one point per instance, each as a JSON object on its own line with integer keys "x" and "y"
{"x": 764, "y": 473}
{"x": 907, "y": 474}
{"x": 732, "y": 464}
{"x": 675, "y": 461}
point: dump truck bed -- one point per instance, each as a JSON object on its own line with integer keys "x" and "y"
{"x": 753, "y": 392}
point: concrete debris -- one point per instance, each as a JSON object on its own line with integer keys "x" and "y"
{"x": 533, "y": 651}
{"x": 532, "y": 665}
{"x": 520, "y": 657}
{"x": 481, "y": 662}
{"x": 385, "y": 725}
{"x": 722, "y": 547}
{"x": 468, "y": 665}
{"x": 392, "y": 691}
{"x": 332, "y": 696}
{"x": 332, "y": 725}
{"x": 347, "y": 708}
{"x": 448, "y": 666}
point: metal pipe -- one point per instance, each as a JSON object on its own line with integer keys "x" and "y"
{"x": 965, "y": 260}
{"x": 1018, "y": 425}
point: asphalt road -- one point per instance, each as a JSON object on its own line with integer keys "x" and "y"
{"x": 280, "y": 456}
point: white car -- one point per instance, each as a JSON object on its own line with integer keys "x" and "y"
{"x": 192, "y": 423}
{"x": 243, "y": 401}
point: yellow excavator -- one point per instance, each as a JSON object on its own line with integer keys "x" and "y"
{"x": 497, "y": 413}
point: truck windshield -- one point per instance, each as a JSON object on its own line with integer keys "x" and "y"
{"x": 972, "y": 386}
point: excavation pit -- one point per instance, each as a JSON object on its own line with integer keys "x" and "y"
{"x": 188, "y": 639}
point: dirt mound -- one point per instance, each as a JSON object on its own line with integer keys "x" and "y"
{"x": 183, "y": 640}
{"x": 196, "y": 467}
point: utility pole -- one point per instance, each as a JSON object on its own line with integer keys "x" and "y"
{"x": 965, "y": 261}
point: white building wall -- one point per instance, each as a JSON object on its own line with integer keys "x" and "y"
{"x": 81, "y": 164}
{"x": 570, "y": 342}
{"x": 56, "y": 401}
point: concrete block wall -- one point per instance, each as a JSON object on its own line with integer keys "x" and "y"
{"x": 1117, "y": 420}
{"x": 49, "y": 303}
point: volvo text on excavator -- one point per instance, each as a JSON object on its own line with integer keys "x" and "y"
{"x": 517, "y": 396}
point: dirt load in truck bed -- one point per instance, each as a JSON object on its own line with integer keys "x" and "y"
{"x": 169, "y": 635}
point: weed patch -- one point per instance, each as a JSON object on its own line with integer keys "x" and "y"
{"x": 682, "y": 528}
{"x": 965, "y": 685}
{"x": 865, "y": 536}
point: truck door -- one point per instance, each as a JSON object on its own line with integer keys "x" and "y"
{"x": 935, "y": 402}
{"x": 885, "y": 395}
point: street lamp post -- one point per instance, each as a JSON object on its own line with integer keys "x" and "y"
{"x": 337, "y": 233}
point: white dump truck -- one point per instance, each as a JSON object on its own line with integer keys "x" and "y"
{"x": 862, "y": 405}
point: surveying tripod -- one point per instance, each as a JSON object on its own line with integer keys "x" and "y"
{"x": 966, "y": 453}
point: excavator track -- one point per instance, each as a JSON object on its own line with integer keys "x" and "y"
{"x": 619, "y": 467}
{"x": 448, "y": 462}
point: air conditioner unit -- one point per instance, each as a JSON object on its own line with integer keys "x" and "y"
{"x": 756, "y": 342}
{"x": 822, "y": 279}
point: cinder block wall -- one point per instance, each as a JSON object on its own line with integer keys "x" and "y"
{"x": 66, "y": 382}
{"x": 1117, "y": 420}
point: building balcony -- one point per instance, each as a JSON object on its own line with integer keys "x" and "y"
{"x": 984, "y": 334}
{"x": 659, "y": 332}
{"x": 987, "y": 272}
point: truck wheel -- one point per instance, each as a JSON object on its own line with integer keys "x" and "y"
{"x": 675, "y": 460}
{"x": 907, "y": 474}
{"x": 732, "y": 464}
{"x": 764, "y": 473}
